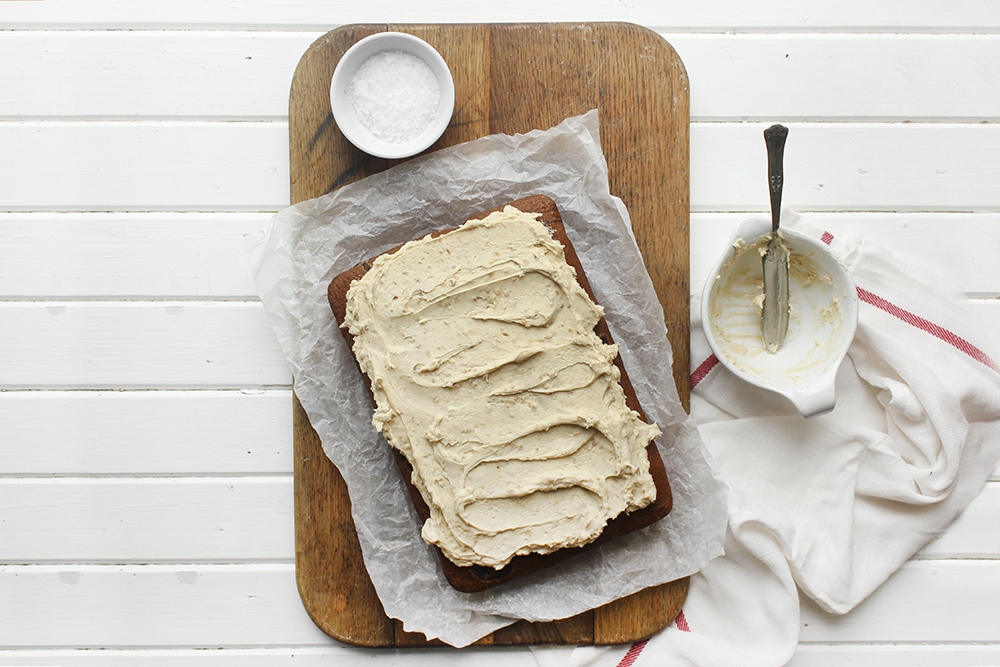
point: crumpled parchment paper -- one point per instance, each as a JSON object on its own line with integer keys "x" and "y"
{"x": 307, "y": 244}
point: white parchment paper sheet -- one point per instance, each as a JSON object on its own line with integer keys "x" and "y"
{"x": 307, "y": 244}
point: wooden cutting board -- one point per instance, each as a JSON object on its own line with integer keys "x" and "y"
{"x": 509, "y": 78}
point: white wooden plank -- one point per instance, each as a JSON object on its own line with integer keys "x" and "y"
{"x": 807, "y": 655}
{"x": 896, "y": 655}
{"x": 200, "y": 255}
{"x": 335, "y": 653}
{"x": 111, "y": 345}
{"x": 173, "y": 433}
{"x": 977, "y": 15}
{"x": 925, "y": 601}
{"x": 239, "y": 519}
{"x": 902, "y": 167}
{"x": 247, "y": 74}
{"x": 186, "y": 605}
{"x": 149, "y": 73}
{"x": 144, "y": 165}
{"x": 121, "y": 520}
{"x": 257, "y": 605}
{"x": 134, "y": 345}
{"x": 794, "y": 77}
{"x": 973, "y": 534}
{"x": 965, "y": 246}
{"x": 126, "y": 255}
{"x": 310, "y": 14}
{"x": 146, "y": 432}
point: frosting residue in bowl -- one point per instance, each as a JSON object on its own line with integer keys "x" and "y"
{"x": 816, "y": 319}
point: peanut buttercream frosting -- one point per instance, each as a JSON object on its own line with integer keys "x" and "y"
{"x": 487, "y": 375}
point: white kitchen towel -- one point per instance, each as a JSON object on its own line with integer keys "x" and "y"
{"x": 835, "y": 504}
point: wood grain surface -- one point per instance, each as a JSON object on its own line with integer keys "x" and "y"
{"x": 509, "y": 78}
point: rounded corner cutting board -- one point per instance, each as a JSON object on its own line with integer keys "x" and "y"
{"x": 509, "y": 78}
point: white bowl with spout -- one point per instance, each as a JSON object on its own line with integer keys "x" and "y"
{"x": 823, "y": 317}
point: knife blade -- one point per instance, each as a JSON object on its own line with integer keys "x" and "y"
{"x": 774, "y": 310}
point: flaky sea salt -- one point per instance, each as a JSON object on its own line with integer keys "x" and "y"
{"x": 395, "y": 95}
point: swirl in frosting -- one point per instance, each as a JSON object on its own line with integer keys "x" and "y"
{"x": 487, "y": 375}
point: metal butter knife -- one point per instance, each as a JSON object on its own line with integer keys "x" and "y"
{"x": 774, "y": 313}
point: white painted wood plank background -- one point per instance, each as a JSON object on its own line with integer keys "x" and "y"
{"x": 246, "y": 74}
{"x": 161, "y": 344}
{"x": 722, "y": 16}
{"x": 338, "y": 655}
{"x": 199, "y": 256}
{"x": 86, "y": 433}
{"x": 210, "y": 519}
{"x": 235, "y": 166}
{"x": 141, "y": 142}
{"x": 236, "y": 604}
{"x": 138, "y": 345}
{"x": 176, "y": 256}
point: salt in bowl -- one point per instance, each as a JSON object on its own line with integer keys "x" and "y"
{"x": 392, "y": 95}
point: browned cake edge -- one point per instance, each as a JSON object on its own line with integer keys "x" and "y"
{"x": 472, "y": 579}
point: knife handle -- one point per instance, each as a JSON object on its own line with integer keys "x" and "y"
{"x": 774, "y": 138}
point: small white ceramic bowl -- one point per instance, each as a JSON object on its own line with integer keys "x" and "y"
{"x": 822, "y": 321}
{"x": 344, "y": 112}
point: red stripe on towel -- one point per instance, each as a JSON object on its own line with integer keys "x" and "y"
{"x": 633, "y": 653}
{"x": 924, "y": 325}
{"x": 927, "y": 326}
{"x": 703, "y": 370}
